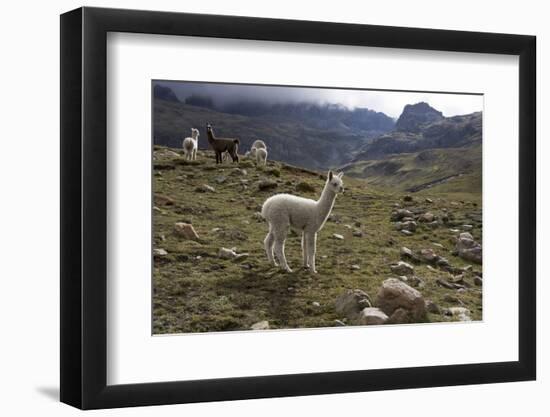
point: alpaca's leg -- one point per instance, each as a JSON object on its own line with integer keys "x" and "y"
{"x": 305, "y": 250}
{"x": 194, "y": 154}
{"x": 280, "y": 237}
{"x": 269, "y": 241}
{"x": 311, "y": 239}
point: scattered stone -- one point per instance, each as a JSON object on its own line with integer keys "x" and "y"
{"x": 267, "y": 185}
{"x": 400, "y": 214}
{"x": 339, "y": 323}
{"x": 355, "y": 267}
{"x": 337, "y": 236}
{"x": 432, "y": 307}
{"x": 258, "y": 216}
{"x": 205, "y": 188}
{"x": 225, "y": 253}
{"x": 429, "y": 200}
{"x": 394, "y": 295}
{"x": 155, "y": 208}
{"x": 415, "y": 281}
{"x": 478, "y": 281}
{"x": 408, "y": 198}
{"x": 467, "y": 227}
{"x": 305, "y": 187}
{"x": 351, "y": 303}
{"x": 221, "y": 179}
{"x": 159, "y": 252}
{"x": 163, "y": 200}
{"x": 372, "y": 316}
{"x": 428, "y": 255}
{"x": 406, "y": 233}
{"x": 448, "y": 285}
{"x": 400, "y": 316}
{"x": 238, "y": 172}
{"x": 402, "y": 268}
{"x": 467, "y": 248}
{"x": 316, "y": 304}
{"x": 261, "y": 325}
{"x": 186, "y": 231}
{"x": 438, "y": 245}
{"x": 427, "y": 217}
{"x": 357, "y": 233}
{"x": 461, "y": 313}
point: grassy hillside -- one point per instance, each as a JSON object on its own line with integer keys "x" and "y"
{"x": 458, "y": 169}
{"x": 196, "y": 291}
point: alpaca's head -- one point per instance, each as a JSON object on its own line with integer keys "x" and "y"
{"x": 335, "y": 183}
{"x": 209, "y": 128}
{"x": 194, "y": 133}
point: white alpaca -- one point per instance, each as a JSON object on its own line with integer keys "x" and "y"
{"x": 302, "y": 214}
{"x": 190, "y": 145}
{"x": 259, "y": 144}
{"x": 261, "y": 156}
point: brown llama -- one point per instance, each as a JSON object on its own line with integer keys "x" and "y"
{"x": 221, "y": 145}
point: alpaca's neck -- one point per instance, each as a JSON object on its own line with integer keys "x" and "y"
{"x": 194, "y": 135}
{"x": 324, "y": 205}
{"x": 211, "y": 137}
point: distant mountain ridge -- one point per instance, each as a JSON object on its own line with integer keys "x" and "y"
{"x": 306, "y": 134}
{"x": 421, "y": 148}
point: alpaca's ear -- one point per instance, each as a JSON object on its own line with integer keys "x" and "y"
{"x": 329, "y": 175}
{"x": 340, "y": 175}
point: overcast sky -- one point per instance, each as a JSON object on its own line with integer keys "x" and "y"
{"x": 388, "y": 102}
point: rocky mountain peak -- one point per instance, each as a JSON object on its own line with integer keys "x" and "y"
{"x": 415, "y": 115}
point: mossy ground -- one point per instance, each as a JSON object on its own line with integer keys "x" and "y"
{"x": 195, "y": 291}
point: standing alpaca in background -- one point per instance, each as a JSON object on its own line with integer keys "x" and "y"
{"x": 190, "y": 145}
{"x": 261, "y": 156}
{"x": 282, "y": 211}
{"x": 258, "y": 151}
{"x": 221, "y": 145}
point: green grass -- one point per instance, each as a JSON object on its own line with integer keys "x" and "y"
{"x": 195, "y": 291}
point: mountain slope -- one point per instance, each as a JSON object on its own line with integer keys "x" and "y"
{"x": 288, "y": 139}
{"x": 194, "y": 290}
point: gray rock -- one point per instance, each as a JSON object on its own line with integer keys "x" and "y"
{"x": 467, "y": 248}
{"x": 400, "y": 316}
{"x": 372, "y": 316}
{"x": 205, "y": 188}
{"x": 427, "y": 217}
{"x": 357, "y": 233}
{"x": 186, "y": 231}
{"x": 478, "y": 281}
{"x": 350, "y": 303}
{"x": 402, "y": 268}
{"x": 337, "y": 236}
{"x": 355, "y": 267}
{"x": 394, "y": 294}
{"x": 460, "y": 313}
{"x": 261, "y": 325}
{"x": 406, "y": 232}
{"x": 159, "y": 252}
{"x": 432, "y": 307}
{"x": 316, "y": 304}
{"x": 400, "y": 214}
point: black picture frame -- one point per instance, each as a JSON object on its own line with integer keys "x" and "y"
{"x": 84, "y": 207}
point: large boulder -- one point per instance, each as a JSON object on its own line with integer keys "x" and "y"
{"x": 467, "y": 248}
{"x": 350, "y": 303}
{"x": 395, "y": 294}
